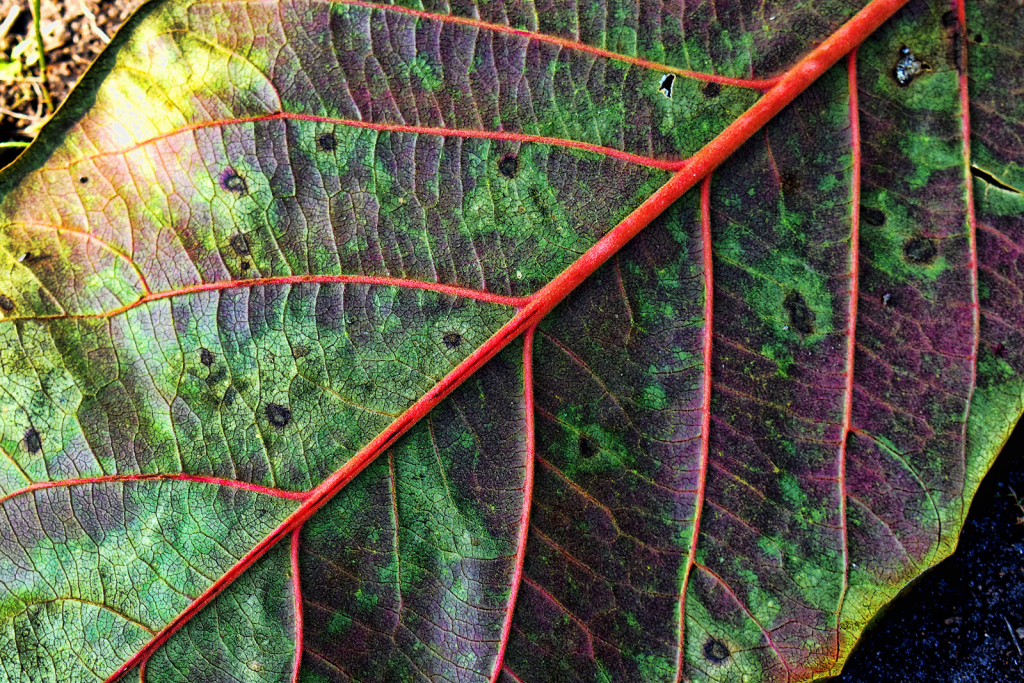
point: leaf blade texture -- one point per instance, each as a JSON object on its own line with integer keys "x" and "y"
{"x": 353, "y": 341}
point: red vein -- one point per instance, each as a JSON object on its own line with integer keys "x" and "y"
{"x": 705, "y": 412}
{"x": 756, "y": 84}
{"x": 767, "y": 634}
{"x": 664, "y": 164}
{"x": 90, "y": 238}
{"x": 972, "y": 222}
{"x": 119, "y": 478}
{"x": 297, "y": 601}
{"x": 792, "y": 84}
{"x": 851, "y": 329}
{"x": 524, "y": 515}
{"x": 452, "y": 290}
{"x": 512, "y": 675}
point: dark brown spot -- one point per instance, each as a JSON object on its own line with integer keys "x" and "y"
{"x": 665, "y": 86}
{"x": 509, "y": 165}
{"x": 588, "y": 447}
{"x": 229, "y": 396}
{"x": 245, "y": 266}
{"x": 278, "y": 415}
{"x": 949, "y": 19}
{"x": 475, "y": 540}
{"x": 6, "y": 304}
{"x": 712, "y": 90}
{"x": 205, "y": 356}
{"x": 232, "y": 182}
{"x": 33, "y": 443}
{"x": 325, "y": 142}
{"x": 978, "y": 38}
{"x": 299, "y": 352}
{"x": 872, "y": 216}
{"x": 239, "y": 244}
{"x": 83, "y": 180}
{"x": 715, "y": 651}
{"x": 790, "y": 183}
{"x": 452, "y": 339}
{"x": 920, "y": 250}
{"x": 801, "y": 317}
{"x": 215, "y": 376}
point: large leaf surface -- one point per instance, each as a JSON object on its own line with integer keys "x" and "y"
{"x": 304, "y": 378}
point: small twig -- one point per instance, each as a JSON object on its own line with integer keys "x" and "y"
{"x": 1013, "y": 636}
{"x": 9, "y": 20}
{"x": 16, "y": 115}
{"x": 100, "y": 33}
{"x": 36, "y": 19}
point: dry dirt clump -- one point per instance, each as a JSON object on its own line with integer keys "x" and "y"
{"x": 74, "y": 32}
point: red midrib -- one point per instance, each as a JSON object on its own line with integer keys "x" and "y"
{"x": 795, "y": 81}
{"x": 575, "y": 45}
{"x": 972, "y": 221}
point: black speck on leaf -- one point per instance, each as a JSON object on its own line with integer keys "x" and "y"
{"x": 205, "y": 356}
{"x": 245, "y": 266}
{"x": 6, "y": 304}
{"x": 452, "y": 340}
{"x": 949, "y": 19}
{"x": 33, "y": 443}
{"x": 790, "y": 183}
{"x": 588, "y": 448}
{"x": 239, "y": 244}
{"x": 978, "y": 38}
{"x": 872, "y": 217}
{"x": 325, "y": 142}
{"x": 801, "y": 317}
{"x": 83, "y": 180}
{"x": 229, "y": 396}
{"x": 508, "y": 165}
{"x": 920, "y": 250}
{"x": 715, "y": 651}
{"x": 712, "y": 89}
{"x": 232, "y": 182}
{"x": 278, "y": 415}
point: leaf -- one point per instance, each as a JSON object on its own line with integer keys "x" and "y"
{"x": 345, "y": 341}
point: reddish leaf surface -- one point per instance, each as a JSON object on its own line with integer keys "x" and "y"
{"x": 346, "y": 341}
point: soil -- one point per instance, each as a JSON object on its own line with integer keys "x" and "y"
{"x": 963, "y": 622}
{"x": 74, "y": 32}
